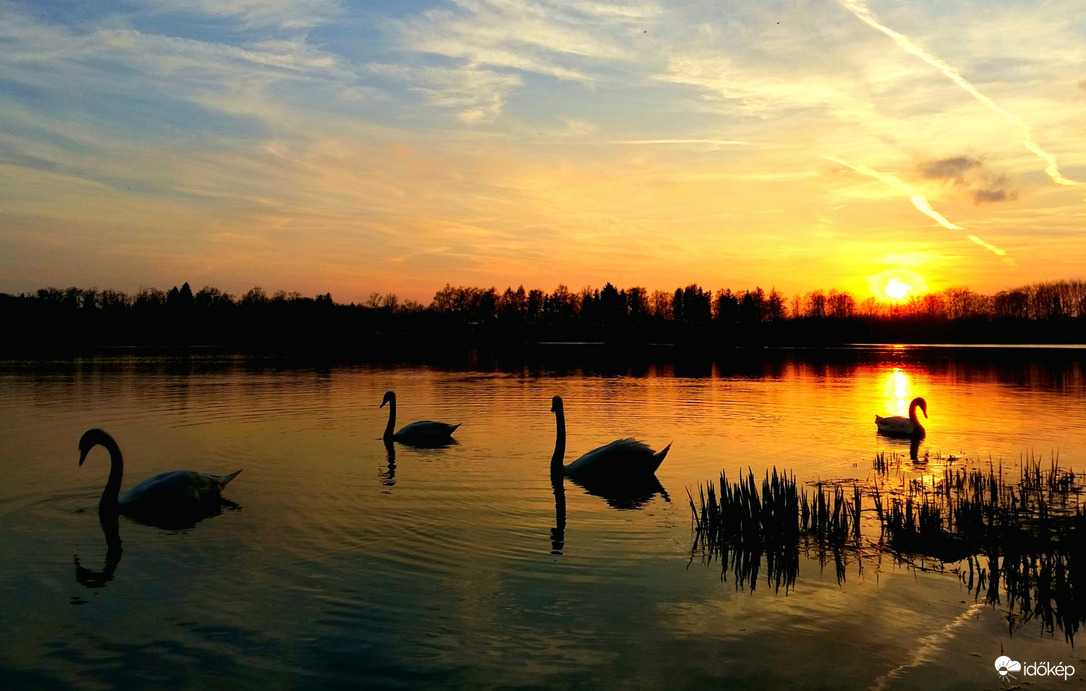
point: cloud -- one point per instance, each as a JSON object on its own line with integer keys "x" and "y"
{"x": 495, "y": 41}
{"x": 993, "y": 195}
{"x": 287, "y": 14}
{"x": 949, "y": 168}
{"x": 860, "y": 9}
{"x": 972, "y": 174}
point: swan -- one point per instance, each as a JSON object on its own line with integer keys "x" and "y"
{"x": 177, "y": 497}
{"x": 898, "y": 426}
{"x": 421, "y": 433}
{"x": 621, "y": 460}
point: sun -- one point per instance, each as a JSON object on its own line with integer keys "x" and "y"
{"x": 896, "y": 289}
{"x": 897, "y": 285}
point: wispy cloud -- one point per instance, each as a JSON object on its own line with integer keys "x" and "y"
{"x": 287, "y": 14}
{"x": 561, "y": 40}
{"x": 477, "y": 95}
{"x": 864, "y": 14}
{"x": 684, "y": 142}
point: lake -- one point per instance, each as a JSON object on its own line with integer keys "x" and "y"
{"x": 347, "y": 564}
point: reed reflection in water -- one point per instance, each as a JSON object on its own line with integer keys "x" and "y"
{"x": 444, "y": 571}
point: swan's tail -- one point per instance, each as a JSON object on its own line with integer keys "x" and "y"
{"x": 658, "y": 457}
{"x": 224, "y": 479}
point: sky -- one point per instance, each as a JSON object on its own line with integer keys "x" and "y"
{"x": 398, "y": 146}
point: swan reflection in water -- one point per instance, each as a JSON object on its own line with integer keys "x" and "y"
{"x": 623, "y": 473}
{"x": 913, "y": 442}
{"x": 176, "y": 500}
{"x": 98, "y": 579}
{"x": 388, "y": 474}
{"x": 623, "y": 496}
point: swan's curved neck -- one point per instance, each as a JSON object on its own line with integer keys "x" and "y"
{"x": 915, "y": 419}
{"x": 116, "y": 470}
{"x": 391, "y": 418}
{"x": 559, "y": 441}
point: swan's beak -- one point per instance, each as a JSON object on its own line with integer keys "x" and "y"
{"x": 82, "y": 455}
{"x": 382, "y": 404}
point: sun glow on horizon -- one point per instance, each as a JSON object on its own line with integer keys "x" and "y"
{"x": 897, "y": 285}
{"x": 895, "y": 289}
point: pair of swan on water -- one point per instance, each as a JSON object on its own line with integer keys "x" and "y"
{"x": 619, "y": 459}
{"x": 898, "y": 426}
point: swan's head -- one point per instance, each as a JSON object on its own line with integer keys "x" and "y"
{"x": 390, "y": 397}
{"x": 921, "y": 404}
{"x": 90, "y": 439}
{"x": 556, "y": 404}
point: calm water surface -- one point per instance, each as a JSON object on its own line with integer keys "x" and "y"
{"x": 349, "y": 565}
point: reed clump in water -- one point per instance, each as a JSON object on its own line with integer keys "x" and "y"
{"x": 742, "y": 522}
{"x": 1028, "y": 536}
{"x": 970, "y": 509}
{"x": 1023, "y": 540}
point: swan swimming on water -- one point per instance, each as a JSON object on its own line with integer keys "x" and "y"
{"x": 421, "y": 433}
{"x": 898, "y": 426}
{"x": 179, "y": 497}
{"x": 621, "y": 460}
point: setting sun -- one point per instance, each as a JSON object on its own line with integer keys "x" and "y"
{"x": 897, "y": 285}
{"x": 895, "y": 289}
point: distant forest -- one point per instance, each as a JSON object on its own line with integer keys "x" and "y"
{"x": 74, "y": 319}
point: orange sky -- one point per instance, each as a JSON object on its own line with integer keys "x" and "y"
{"x": 318, "y": 146}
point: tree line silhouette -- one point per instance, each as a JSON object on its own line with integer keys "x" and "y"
{"x": 74, "y": 318}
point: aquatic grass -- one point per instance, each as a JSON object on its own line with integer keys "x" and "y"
{"x": 742, "y": 522}
{"x": 1017, "y": 542}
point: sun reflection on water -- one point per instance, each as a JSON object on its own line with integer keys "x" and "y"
{"x": 898, "y": 392}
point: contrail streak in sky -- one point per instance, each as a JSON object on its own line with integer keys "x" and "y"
{"x": 915, "y": 197}
{"x": 1001, "y": 253}
{"x": 920, "y": 203}
{"x": 859, "y": 8}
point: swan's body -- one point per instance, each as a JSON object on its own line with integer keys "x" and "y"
{"x": 621, "y": 460}
{"x": 176, "y": 496}
{"x": 898, "y": 426}
{"x": 421, "y": 433}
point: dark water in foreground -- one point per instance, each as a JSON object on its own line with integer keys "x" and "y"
{"x": 347, "y": 567}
